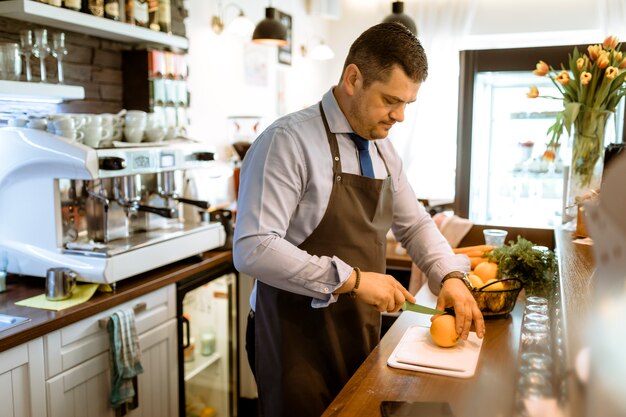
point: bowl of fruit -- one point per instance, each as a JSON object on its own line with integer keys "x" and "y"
{"x": 494, "y": 292}
{"x": 497, "y": 297}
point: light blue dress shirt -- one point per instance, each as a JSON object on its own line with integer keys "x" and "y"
{"x": 286, "y": 181}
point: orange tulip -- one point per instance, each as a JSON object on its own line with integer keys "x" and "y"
{"x": 533, "y": 92}
{"x": 617, "y": 56}
{"x": 610, "y": 42}
{"x": 581, "y": 63}
{"x": 623, "y": 64}
{"x": 594, "y": 51}
{"x": 563, "y": 77}
{"x": 603, "y": 60}
{"x": 611, "y": 73}
{"x": 585, "y": 77}
{"x": 542, "y": 69}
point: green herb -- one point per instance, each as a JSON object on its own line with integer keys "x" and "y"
{"x": 532, "y": 265}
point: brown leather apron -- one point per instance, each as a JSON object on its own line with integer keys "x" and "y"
{"x": 305, "y": 355}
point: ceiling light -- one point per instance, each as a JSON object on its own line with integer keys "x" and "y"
{"x": 270, "y": 31}
{"x": 398, "y": 15}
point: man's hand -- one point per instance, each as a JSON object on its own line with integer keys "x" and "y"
{"x": 381, "y": 291}
{"x": 455, "y": 294}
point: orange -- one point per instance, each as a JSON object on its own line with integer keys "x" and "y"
{"x": 443, "y": 331}
{"x": 486, "y": 270}
{"x": 475, "y": 280}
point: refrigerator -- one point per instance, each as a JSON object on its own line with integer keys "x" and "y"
{"x": 208, "y": 343}
{"x": 502, "y": 176}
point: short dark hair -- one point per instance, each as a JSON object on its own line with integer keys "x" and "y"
{"x": 383, "y": 46}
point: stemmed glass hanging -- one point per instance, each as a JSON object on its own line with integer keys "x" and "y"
{"x": 58, "y": 51}
{"x": 26, "y": 41}
{"x": 41, "y": 50}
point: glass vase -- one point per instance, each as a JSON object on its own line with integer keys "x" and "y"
{"x": 590, "y": 132}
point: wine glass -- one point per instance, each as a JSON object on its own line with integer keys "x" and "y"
{"x": 26, "y": 41}
{"x": 58, "y": 51}
{"x": 41, "y": 50}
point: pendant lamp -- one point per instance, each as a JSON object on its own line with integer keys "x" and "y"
{"x": 398, "y": 15}
{"x": 270, "y": 31}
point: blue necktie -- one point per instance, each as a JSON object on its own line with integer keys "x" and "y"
{"x": 367, "y": 170}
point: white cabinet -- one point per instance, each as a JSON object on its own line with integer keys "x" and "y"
{"x": 22, "y": 390}
{"x": 78, "y": 362}
{"x": 84, "y": 389}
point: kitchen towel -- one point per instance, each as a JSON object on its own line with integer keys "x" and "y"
{"x": 81, "y": 293}
{"x": 125, "y": 356}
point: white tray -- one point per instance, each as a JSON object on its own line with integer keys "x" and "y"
{"x": 417, "y": 352}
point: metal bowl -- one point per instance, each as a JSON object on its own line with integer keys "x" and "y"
{"x": 498, "y": 303}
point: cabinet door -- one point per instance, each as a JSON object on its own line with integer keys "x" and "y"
{"x": 158, "y": 384}
{"x": 22, "y": 390}
{"x": 84, "y": 390}
{"x": 81, "y": 391}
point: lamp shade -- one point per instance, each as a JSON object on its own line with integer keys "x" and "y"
{"x": 241, "y": 26}
{"x": 321, "y": 52}
{"x": 270, "y": 31}
{"x": 398, "y": 15}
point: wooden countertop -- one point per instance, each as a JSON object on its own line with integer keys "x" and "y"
{"x": 488, "y": 393}
{"x": 45, "y": 321}
{"x": 491, "y": 391}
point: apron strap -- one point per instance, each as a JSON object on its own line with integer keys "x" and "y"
{"x": 334, "y": 147}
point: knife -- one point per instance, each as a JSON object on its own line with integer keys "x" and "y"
{"x": 408, "y": 306}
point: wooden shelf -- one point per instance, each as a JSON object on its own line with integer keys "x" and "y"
{"x": 20, "y": 90}
{"x": 44, "y": 14}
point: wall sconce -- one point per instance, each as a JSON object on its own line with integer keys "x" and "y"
{"x": 270, "y": 31}
{"x": 319, "y": 52}
{"x": 241, "y": 25}
{"x": 398, "y": 15}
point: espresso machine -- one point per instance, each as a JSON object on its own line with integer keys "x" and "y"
{"x": 107, "y": 214}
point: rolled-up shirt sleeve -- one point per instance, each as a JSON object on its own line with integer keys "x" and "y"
{"x": 273, "y": 181}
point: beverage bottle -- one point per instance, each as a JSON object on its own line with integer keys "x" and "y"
{"x": 153, "y": 15}
{"x": 93, "y": 7}
{"x": 112, "y": 9}
{"x": 165, "y": 16}
{"x": 140, "y": 12}
{"x": 72, "y": 4}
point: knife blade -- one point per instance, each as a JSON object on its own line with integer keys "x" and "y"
{"x": 408, "y": 306}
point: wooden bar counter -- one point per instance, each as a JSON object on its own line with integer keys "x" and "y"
{"x": 491, "y": 391}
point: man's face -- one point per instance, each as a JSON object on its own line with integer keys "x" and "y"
{"x": 375, "y": 109}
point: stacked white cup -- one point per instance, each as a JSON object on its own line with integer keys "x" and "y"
{"x": 135, "y": 125}
{"x": 112, "y": 123}
{"x": 155, "y": 127}
{"x": 95, "y": 132}
{"x": 66, "y": 126}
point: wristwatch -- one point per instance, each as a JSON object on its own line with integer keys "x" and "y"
{"x": 458, "y": 275}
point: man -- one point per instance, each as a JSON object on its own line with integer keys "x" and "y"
{"x": 312, "y": 223}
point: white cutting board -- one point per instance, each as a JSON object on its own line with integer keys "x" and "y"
{"x": 417, "y": 352}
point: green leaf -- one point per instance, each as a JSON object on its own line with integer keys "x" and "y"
{"x": 570, "y": 114}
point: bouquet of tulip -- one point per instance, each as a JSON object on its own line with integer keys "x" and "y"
{"x": 591, "y": 87}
